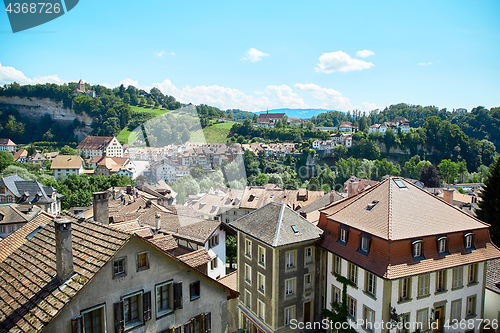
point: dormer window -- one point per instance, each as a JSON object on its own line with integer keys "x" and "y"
{"x": 417, "y": 250}
{"x": 343, "y": 233}
{"x": 442, "y": 245}
{"x": 364, "y": 244}
{"x": 469, "y": 241}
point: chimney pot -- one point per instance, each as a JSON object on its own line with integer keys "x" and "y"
{"x": 64, "y": 248}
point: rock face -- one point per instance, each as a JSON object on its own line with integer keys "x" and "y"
{"x": 35, "y": 108}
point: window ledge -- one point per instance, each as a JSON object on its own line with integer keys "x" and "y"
{"x": 439, "y": 292}
{"x": 471, "y": 316}
{"x": 290, "y": 296}
{"x": 406, "y": 300}
{"x": 194, "y": 298}
{"x": 369, "y": 294}
{"x": 365, "y": 253}
{"x": 139, "y": 269}
{"x": 164, "y": 313}
{"x": 262, "y": 264}
{"x": 261, "y": 291}
{"x": 457, "y": 288}
{"x": 423, "y": 296}
{"x": 471, "y": 284}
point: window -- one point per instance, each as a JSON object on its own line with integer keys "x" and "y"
{"x": 308, "y": 282}
{"x": 290, "y": 260}
{"x": 471, "y": 305}
{"x": 370, "y": 283}
{"x": 9, "y": 198}
{"x": 458, "y": 275}
{"x": 423, "y": 285}
{"x": 405, "y": 322}
{"x": 261, "y": 282}
{"x": 262, "y": 256}
{"x": 353, "y": 273}
{"x": 337, "y": 265}
{"x": 248, "y": 299}
{"x": 369, "y": 318}
{"x": 456, "y": 311}
{"x": 260, "y": 309}
{"x": 142, "y": 261}
{"x": 441, "y": 281}
{"x": 164, "y": 298}
{"x": 472, "y": 274}
{"x": 214, "y": 241}
{"x": 248, "y": 274}
{"x": 343, "y": 235}
{"x": 194, "y": 290}
{"x": 119, "y": 267}
{"x": 404, "y": 289}
{"x": 289, "y": 315}
{"x": 2, "y": 199}
{"x": 442, "y": 245}
{"x": 417, "y": 250}
{"x": 12, "y": 228}
{"x": 132, "y": 310}
{"x": 2, "y": 229}
{"x": 308, "y": 255}
{"x": 336, "y": 295}
{"x": 351, "y": 303}
{"x": 94, "y": 319}
{"x": 469, "y": 241}
{"x": 363, "y": 244}
{"x": 289, "y": 287}
{"x": 423, "y": 320}
{"x": 248, "y": 248}
{"x": 213, "y": 263}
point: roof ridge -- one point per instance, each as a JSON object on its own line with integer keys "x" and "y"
{"x": 389, "y": 213}
{"x": 278, "y": 228}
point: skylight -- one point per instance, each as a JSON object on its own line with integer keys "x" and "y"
{"x": 372, "y": 204}
{"x": 400, "y": 183}
{"x": 295, "y": 230}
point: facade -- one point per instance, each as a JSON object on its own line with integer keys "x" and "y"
{"x": 14, "y": 189}
{"x": 14, "y": 216}
{"x": 7, "y": 144}
{"x": 347, "y": 126}
{"x": 80, "y": 89}
{"x": 397, "y": 124}
{"x": 492, "y": 296}
{"x": 277, "y": 264}
{"x": 406, "y": 251}
{"x": 120, "y": 282}
{"x": 93, "y": 146}
{"x": 269, "y": 119}
{"x": 64, "y": 165}
{"x": 21, "y": 155}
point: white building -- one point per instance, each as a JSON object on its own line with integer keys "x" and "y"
{"x": 93, "y": 146}
{"x": 65, "y": 165}
{"x": 409, "y": 251}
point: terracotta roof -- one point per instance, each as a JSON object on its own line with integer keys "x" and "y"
{"x": 402, "y": 213}
{"x": 196, "y": 258}
{"x": 6, "y": 142}
{"x": 493, "y": 276}
{"x": 164, "y": 242}
{"x": 274, "y": 225}
{"x": 67, "y": 162}
{"x": 14, "y": 213}
{"x": 20, "y": 153}
{"x": 30, "y": 295}
{"x": 230, "y": 280}
{"x": 94, "y": 142}
{"x": 257, "y": 196}
{"x": 18, "y": 238}
{"x": 312, "y": 210}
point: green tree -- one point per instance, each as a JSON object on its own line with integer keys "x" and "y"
{"x": 255, "y": 118}
{"x": 430, "y": 176}
{"x": 449, "y": 170}
{"x": 231, "y": 249}
{"x": 6, "y": 159}
{"x": 340, "y": 310}
{"x": 489, "y": 207}
{"x": 67, "y": 150}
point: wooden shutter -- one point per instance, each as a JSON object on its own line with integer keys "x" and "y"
{"x": 178, "y": 329}
{"x": 77, "y": 324}
{"x": 119, "y": 320}
{"x": 187, "y": 328}
{"x": 146, "y": 305}
{"x": 208, "y": 322}
{"x": 177, "y": 295}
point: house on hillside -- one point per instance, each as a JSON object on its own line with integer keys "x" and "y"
{"x": 7, "y": 144}
{"x": 269, "y": 119}
{"x": 96, "y": 278}
{"x": 80, "y": 89}
{"x": 347, "y": 126}
{"x": 397, "y": 124}
{"x": 64, "y": 165}
{"x": 21, "y": 155}
{"x": 405, "y": 252}
{"x": 107, "y": 166}
{"x": 93, "y": 146}
{"x": 277, "y": 270}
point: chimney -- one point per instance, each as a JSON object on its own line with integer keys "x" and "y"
{"x": 101, "y": 208}
{"x": 448, "y": 195}
{"x": 158, "y": 221}
{"x": 303, "y": 214}
{"x": 64, "y": 248}
{"x": 129, "y": 189}
{"x": 332, "y": 196}
{"x": 114, "y": 193}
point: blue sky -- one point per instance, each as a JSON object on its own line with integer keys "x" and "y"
{"x": 256, "y": 55}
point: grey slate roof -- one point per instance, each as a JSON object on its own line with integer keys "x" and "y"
{"x": 27, "y": 191}
{"x": 272, "y": 224}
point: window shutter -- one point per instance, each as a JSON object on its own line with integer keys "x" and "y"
{"x": 208, "y": 322}
{"x": 187, "y": 328}
{"x": 119, "y": 320}
{"x": 177, "y": 295}
{"x": 146, "y": 304}
{"x": 178, "y": 329}
{"x": 77, "y": 324}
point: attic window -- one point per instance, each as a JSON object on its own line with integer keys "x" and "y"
{"x": 34, "y": 232}
{"x": 400, "y": 183}
{"x": 295, "y": 230}
{"x": 372, "y": 204}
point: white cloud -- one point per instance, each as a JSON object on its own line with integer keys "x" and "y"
{"x": 254, "y": 55}
{"x": 364, "y": 53}
{"x": 340, "y": 61}
{"x": 159, "y": 54}
{"x": 330, "y": 98}
{"x": 425, "y": 63}
{"x": 10, "y": 74}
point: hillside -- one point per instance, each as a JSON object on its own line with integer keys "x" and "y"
{"x": 298, "y": 113}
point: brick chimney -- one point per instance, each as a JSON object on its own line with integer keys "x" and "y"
{"x": 101, "y": 208}
{"x": 64, "y": 248}
{"x": 129, "y": 189}
{"x": 332, "y": 196}
{"x": 448, "y": 195}
{"x": 352, "y": 188}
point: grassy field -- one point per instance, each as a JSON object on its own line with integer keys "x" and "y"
{"x": 214, "y": 133}
{"x": 123, "y": 136}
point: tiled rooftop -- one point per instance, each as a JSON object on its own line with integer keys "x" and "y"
{"x": 493, "y": 276}
{"x": 196, "y": 258}
{"x": 230, "y": 280}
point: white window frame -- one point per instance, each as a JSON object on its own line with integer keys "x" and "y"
{"x": 458, "y": 277}
{"x": 423, "y": 317}
{"x": 471, "y": 306}
{"x": 248, "y": 248}
{"x": 363, "y": 244}
{"x": 308, "y": 258}
{"x": 369, "y": 318}
{"x": 290, "y": 288}
{"x": 261, "y": 282}
{"x": 472, "y": 274}
{"x": 417, "y": 250}
{"x": 262, "y": 256}
{"x": 337, "y": 265}
{"x": 424, "y": 285}
{"x": 353, "y": 273}
{"x": 405, "y": 289}
{"x": 248, "y": 274}
{"x": 441, "y": 281}
{"x": 102, "y": 308}
{"x": 343, "y": 235}
{"x": 120, "y": 274}
{"x": 456, "y": 311}
{"x": 336, "y": 294}
{"x": 308, "y": 282}
{"x": 371, "y": 283}
{"x": 290, "y": 260}
{"x": 289, "y": 314}
{"x": 351, "y": 306}
{"x": 261, "y": 309}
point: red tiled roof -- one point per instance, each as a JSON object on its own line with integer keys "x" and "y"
{"x": 196, "y": 258}
{"x": 165, "y": 242}
{"x": 230, "y": 280}
{"x": 94, "y": 142}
